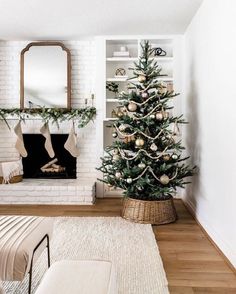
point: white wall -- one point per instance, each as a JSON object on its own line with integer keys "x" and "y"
{"x": 82, "y": 79}
{"x": 210, "y": 84}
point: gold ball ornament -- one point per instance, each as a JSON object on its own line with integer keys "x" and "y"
{"x": 164, "y": 179}
{"x": 139, "y": 142}
{"x": 166, "y": 157}
{"x": 165, "y": 114}
{"x": 119, "y": 113}
{"x": 163, "y": 88}
{"x": 141, "y": 78}
{"x": 141, "y": 165}
{"x": 132, "y": 107}
{"x": 159, "y": 115}
{"x": 114, "y": 134}
{"x": 116, "y": 157}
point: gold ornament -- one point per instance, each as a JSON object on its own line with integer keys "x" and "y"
{"x": 159, "y": 115}
{"x": 141, "y": 78}
{"x": 141, "y": 165}
{"x": 116, "y": 157}
{"x": 152, "y": 116}
{"x": 139, "y": 142}
{"x": 165, "y": 114}
{"x": 113, "y": 113}
{"x": 114, "y": 134}
{"x": 166, "y": 157}
{"x": 128, "y": 139}
{"x": 119, "y": 113}
{"x": 164, "y": 179}
{"x": 162, "y": 89}
{"x": 132, "y": 107}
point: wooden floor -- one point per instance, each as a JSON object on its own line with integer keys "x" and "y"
{"x": 192, "y": 263}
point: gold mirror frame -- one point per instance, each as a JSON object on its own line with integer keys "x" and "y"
{"x": 63, "y": 47}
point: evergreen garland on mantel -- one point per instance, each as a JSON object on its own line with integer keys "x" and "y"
{"x": 55, "y": 115}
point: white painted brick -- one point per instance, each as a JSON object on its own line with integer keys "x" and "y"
{"x": 83, "y": 80}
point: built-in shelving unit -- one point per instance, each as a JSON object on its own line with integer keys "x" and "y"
{"x": 107, "y": 64}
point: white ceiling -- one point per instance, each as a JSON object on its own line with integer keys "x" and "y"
{"x": 73, "y": 19}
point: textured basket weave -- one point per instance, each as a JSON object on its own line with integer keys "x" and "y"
{"x": 13, "y": 180}
{"x": 149, "y": 212}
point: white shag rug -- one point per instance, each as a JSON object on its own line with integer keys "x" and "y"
{"x": 131, "y": 247}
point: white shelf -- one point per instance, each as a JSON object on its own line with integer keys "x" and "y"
{"x": 112, "y": 100}
{"x": 165, "y": 79}
{"x": 164, "y": 58}
{"x": 128, "y": 59}
{"x": 116, "y": 79}
{"x": 110, "y": 119}
{"x": 123, "y": 59}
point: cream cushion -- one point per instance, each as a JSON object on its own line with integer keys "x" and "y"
{"x": 79, "y": 277}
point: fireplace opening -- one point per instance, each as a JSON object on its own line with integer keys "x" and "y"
{"x": 38, "y": 163}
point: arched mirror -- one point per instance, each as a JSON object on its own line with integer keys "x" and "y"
{"x": 45, "y": 79}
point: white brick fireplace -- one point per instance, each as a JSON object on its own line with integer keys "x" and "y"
{"x": 60, "y": 191}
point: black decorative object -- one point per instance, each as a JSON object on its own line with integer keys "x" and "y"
{"x": 159, "y": 51}
{"x": 112, "y": 87}
{"x": 120, "y": 72}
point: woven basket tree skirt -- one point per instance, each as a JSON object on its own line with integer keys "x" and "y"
{"x": 149, "y": 212}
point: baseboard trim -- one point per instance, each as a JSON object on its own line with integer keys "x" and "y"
{"x": 192, "y": 212}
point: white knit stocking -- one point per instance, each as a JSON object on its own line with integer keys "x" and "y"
{"x": 20, "y": 146}
{"x": 48, "y": 142}
{"x": 71, "y": 143}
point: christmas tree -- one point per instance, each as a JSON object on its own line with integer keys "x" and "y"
{"x": 145, "y": 160}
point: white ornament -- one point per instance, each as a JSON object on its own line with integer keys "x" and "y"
{"x": 122, "y": 128}
{"x": 118, "y": 175}
{"x": 174, "y": 156}
{"x": 129, "y": 180}
{"x": 159, "y": 115}
{"x": 141, "y": 165}
{"x": 153, "y": 147}
{"x": 115, "y": 151}
{"x": 152, "y": 116}
{"x": 144, "y": 95}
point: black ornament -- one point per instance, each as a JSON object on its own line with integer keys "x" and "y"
{"x": 159, "y": 51}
